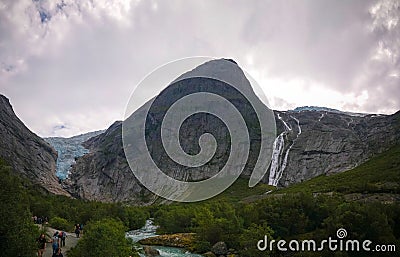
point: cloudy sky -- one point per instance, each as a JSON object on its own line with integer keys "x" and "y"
{"x": 69, "y": 66}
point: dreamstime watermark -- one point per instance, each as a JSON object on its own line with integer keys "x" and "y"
{"x": 192, "y": 126}
{"x": 331, "y": 244}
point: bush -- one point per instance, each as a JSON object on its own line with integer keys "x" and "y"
{"x": 61, "y": 224}
{"x": 218, "y": 222}
{"x": 17, "y": 232}
{"x": 175, "y": 219}
{"x": 104, "y": 238}
{"x": 249, "y": 238}
{"x": 136, "y": 218}
{"x": 202, "y": 246}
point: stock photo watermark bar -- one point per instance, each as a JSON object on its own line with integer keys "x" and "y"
{"x": 331, "y": 244}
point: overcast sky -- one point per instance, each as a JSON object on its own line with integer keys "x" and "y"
{"x": 70, "y": 66}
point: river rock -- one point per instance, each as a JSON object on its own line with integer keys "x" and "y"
{"x": 209, "y": 254}
{"x": 150, "y": 251}
{"x": 220, "y": 248}
{"x": 180, "y": 240}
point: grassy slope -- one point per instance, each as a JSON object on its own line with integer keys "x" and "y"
{"x": 380, "y": 174}
{"x": 240, "y": 189}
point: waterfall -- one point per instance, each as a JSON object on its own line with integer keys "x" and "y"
{"x": 278, "y": 165}
{"x": 276, "y": 153}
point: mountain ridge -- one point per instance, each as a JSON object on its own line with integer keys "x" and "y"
{"x": 312, "y": 143}
{"x": 27, "y": 153}
{"x": 109, "y": 144}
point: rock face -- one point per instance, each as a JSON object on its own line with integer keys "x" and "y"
{"x": 309, "y": 142}
{"x": 27, "y": 153}
{"x": 103, "y": 174}
{"x": 313, "y": 142}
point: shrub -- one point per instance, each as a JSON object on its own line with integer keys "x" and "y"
{"x": 17, "y": 232}
{"x": 103, "y": 238}
{"x": 60, "y": 224}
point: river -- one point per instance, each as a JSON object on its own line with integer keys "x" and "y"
{"x": 149, "y": 230}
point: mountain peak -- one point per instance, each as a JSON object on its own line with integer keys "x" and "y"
{"x": 5, "y": 104}
{"x": 314, "y": 108}
{"x": 226, "y": 70}
{"x": 326, "y": 109}
{"x": 230, "y": 60}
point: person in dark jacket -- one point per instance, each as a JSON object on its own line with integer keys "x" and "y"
{"x": 63, "y": 237}
{"x": 41, "y": 244}
{"x": 77, "y": 230}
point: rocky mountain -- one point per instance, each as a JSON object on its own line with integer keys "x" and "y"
{"x": 103, "y": 174}
{"x": 314, "y": 142}
{"x": 309, "y": 142}
{"x": 27, "y": 153}
{"x": 325, "y": 109}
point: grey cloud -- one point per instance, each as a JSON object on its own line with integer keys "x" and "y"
{"x": 78, "y": 67}
{"x": 322, "y": 40}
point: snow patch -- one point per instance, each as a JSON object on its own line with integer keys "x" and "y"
{"x": 322, "y": 115}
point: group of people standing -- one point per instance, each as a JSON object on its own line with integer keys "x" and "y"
{"x": 57, "y": 241}
{"x": 40, "y": 220}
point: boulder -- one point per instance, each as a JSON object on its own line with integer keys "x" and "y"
{"x": 209, "y": 254}
{"x": 150, "y": 251}
{"x": 220, "y": 248}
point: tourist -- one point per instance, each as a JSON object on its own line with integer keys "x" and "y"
{"x": 41, "y": 245}
{"x": 63, "y": 237}
{"x": 77, "y": 230}
{"x": 58, "y": 253}
{"x": 56, "y": 242}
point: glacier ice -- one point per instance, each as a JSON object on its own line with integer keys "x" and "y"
{"x": 68, "y": 150}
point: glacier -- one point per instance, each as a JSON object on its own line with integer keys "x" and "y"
{"x": 68, "y": 149}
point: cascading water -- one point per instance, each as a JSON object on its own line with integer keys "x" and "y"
{"x": 278, "y": 146}
{"x": 287, "y": 127}
{"x": 278, "y": 164}
{"x": 149, "y": 230}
